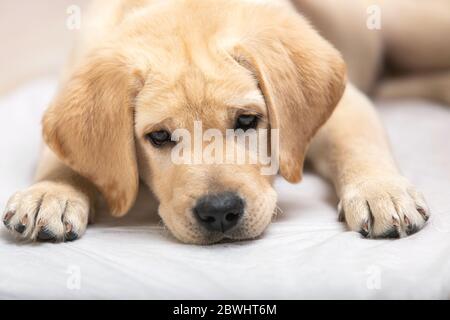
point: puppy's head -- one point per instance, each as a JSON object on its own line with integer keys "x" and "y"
{"x": 252, "y": 68}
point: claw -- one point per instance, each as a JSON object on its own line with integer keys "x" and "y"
{"x": 69, "y": 235}
{"x": 396, "y": 222}
{"x": 365, "y": 229}
{"x": 423, "y": 213}
{"x": 24, "y": 220}
{"x": 6, "y": 219}
{"x": 407, "y": 222}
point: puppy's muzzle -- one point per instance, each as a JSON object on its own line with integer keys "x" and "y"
{"x": 219, "y": 212}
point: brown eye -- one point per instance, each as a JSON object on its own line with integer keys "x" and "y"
{"x": 246, "y": 122}
{"x": 159, "y": 138}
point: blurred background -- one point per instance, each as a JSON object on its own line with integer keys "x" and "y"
{"x": 35, "y": 39}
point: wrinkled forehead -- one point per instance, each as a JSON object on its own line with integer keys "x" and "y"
{"x": 212, "y": 96}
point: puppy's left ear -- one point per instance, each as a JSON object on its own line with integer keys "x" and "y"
{"x": 301, "y": 76}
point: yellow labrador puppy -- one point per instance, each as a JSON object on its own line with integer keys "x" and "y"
{"x": 145, "y": 68}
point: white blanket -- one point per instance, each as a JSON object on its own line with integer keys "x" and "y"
{"x": 305, "y": 253}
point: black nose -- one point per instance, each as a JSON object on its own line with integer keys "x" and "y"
{"x": 219, "y": 212}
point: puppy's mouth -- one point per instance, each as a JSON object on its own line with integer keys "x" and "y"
{"x": 221, "y": 217}
{"x": 234, "y": 235}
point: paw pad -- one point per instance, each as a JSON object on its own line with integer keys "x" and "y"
{"x": 46, "y": 235}
{"x": 411, "y": 229}
{"x": 70, "y": 236}
{"x": 20, "y": 228}
{"x": 341, "y": 217}
{"x": 391, "y": 233}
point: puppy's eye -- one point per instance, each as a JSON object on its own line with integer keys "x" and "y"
{"x": 159, "y": 138}
{"x": 246, "y": 122}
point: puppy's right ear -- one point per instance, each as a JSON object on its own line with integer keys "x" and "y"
{"x": 90, "y": 126}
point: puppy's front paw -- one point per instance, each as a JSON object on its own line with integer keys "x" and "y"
{"x": 47, "y": 211}
{"x": 383, "y": 208}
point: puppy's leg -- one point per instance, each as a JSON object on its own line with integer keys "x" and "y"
{"x": 352, "y": 151}
{"x": 55, "y": 208}
{"x": 414, "y": 33}
{"x": 363, "y": 54}
{"x": 434, "y": 86}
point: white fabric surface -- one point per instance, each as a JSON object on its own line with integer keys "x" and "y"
{"x": 305, "y": 253}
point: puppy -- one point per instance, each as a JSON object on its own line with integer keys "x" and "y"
{"x": 146, "y": 68}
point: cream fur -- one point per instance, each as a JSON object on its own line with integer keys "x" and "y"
{"x": 143, "y": 65}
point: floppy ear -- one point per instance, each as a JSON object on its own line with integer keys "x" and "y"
{"x": 301, "y": 76}
{"x": 90, "y": 127}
